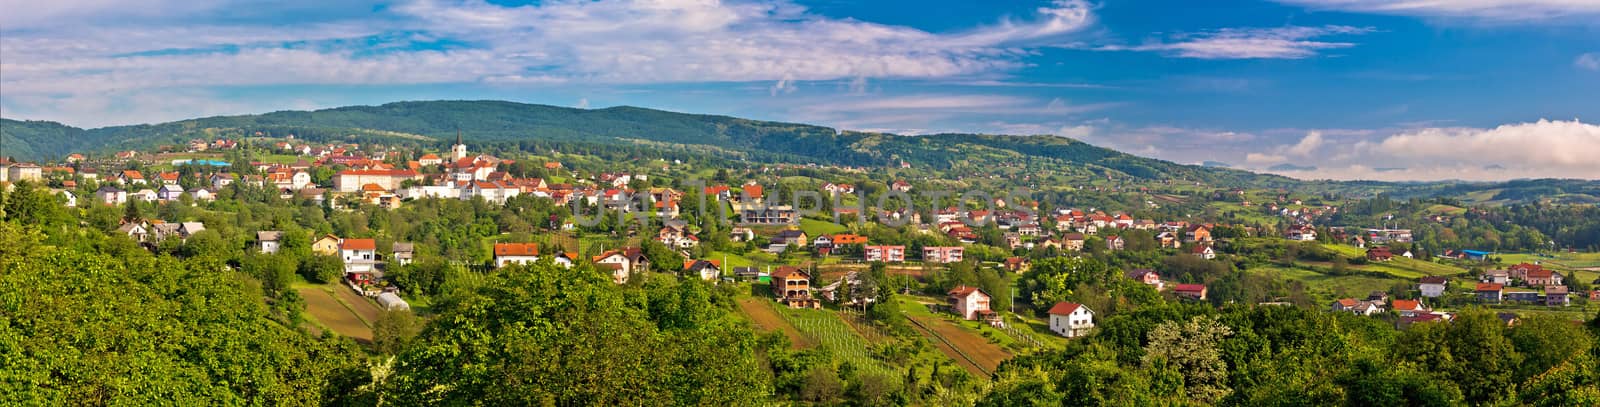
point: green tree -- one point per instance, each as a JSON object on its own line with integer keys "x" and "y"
{"x": 322, "y": 269}
{"x": 1194, "y": 349}
{"x": 393, "y": 330}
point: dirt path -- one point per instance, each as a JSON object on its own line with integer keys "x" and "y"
{"x": 327, "y": 310}
{"x": 767, "y": 319}
{"x": 943, "y": 347}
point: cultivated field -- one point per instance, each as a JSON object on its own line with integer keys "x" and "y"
{"x": 827, "y": 329}
{"x": 328, "y": 311}
{"x": 760, "y": 312}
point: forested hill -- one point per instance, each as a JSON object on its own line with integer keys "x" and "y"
{"x": 499, "y": 121}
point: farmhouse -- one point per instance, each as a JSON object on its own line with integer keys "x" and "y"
{"x": 707, "y": 270}
{"x": 360, "y": 256}
{"x": 971, "y": 303}
{"x": 1190, "y": 291}
{"x": 623, "y": 262}
{"x": 1489, "y": 292}
{"x": 1146, "y": 276}
{"x": 1433, "y": 286}
{"x": 792, "y": 287}
{"x": 522, "y": 253}
{"x": 1071, "y": 319}
{"x": 268, "y": 240}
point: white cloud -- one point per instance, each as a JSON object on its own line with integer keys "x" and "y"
{"x": 1078, "y": 132}
{"x": 80, "y": 48}
{"x": 1263, "y": 159}
{"x": 858, "y": 86}
{"x": 1486, "y": 9}
{"x": 1293, "y": 42}
{"x": 644, "y": 41}
{"x": 583, "y": 103}
{"x": 1310, "y": 143}
{"x": 784, "y": 86}
{"x": 1542, "y": 149}
{"x": 1590, "y": 61}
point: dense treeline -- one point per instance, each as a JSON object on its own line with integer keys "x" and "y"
{"x": 1279, "y": 355}
{"x": 1490, "y": 229}
{"x": 101, "y": 321}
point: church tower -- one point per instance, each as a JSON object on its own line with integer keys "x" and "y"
{"x": 458, "y": 151}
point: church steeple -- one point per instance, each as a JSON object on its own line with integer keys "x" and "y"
{"x": 459, "y": 150}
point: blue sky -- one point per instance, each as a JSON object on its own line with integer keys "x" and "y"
{"x": 1463, "y": 89}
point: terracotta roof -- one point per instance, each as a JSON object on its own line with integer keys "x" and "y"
{"x": 516, "y": 249}
{"x": 785, "y": 271}
{"x": 1348, "y": 302}
{"x": 1189, "y": 287}
{"x": 358, "y": 244}
{"x": 1064, "y": 308}
{"x": 1489, "y": 287}
{"x": 1407, "y": 304}
{"x": 372, "y": 188}
{"x": 754, "y": 190}
{"x": 964, "y": 291}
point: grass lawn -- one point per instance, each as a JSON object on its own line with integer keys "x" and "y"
{"x": 1445, "y": 209}
{"x": 1399, "y": 266}
{"x": 730, "y": 259}
{"x": 1326, "y": 286}
{"x": 814, "y": 228}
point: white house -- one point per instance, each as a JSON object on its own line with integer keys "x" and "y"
{"x": 971, "y": 303}
{"x": 268, "y": 240}
{"x": 169, "y": 192}
{"x": 144, "y": 195}
{"x": 110, "y": 195}
{"x": 360, "y": 255}
{"x": 1071, "y": 319}
{"x": 1433, "y": 287}
{"x": 523, "y": 253}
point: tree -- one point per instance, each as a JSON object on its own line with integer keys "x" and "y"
{"x": 393, "y": 330}
{"x": 581, "y": 336}
{"x": 1193, "y": 348}
{"x": 822, "y": 385}
{"x": 1024, "y": 388}
{"x": 273, "y": 270}
{"x": 322, "y": 268}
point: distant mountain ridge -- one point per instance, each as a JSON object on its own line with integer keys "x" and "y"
{"x": 500, "y": 121}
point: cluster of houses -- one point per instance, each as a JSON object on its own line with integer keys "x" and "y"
{"x": 156, "y": 231}
{"x": 1378, "y": 302}
{"x": 1524, "y": 282}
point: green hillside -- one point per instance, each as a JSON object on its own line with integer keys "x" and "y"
{"x": 498, "y": 121}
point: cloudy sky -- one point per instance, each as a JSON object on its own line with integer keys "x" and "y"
{"x": 1358, "y": 89}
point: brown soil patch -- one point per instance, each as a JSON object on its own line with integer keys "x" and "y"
{"x": 768, "y": 319}
{"x": 985, "y": 354}
{"x": 327, "y": 310}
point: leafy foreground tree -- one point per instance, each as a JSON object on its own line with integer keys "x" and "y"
{"x": 543, "y": 335}
{"x": 79, "y": 328}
